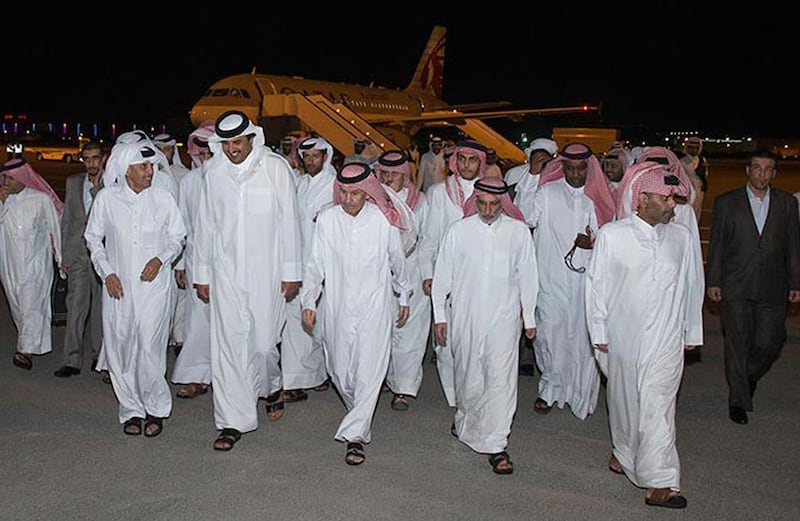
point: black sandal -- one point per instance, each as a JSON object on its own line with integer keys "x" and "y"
{"x": 495, "y": 460}
{"x": 227, "y": 439}
{"x": 132, "y": 427}
{"x": 23, "y": 361}
{"x": 355, "y": 453}
{"x": 275, "y": 407}
{"x": 150, "y": 422}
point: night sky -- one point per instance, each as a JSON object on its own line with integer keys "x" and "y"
{"x": 670, "y": 67}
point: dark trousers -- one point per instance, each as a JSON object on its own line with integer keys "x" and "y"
{"x": 754, "y": 334}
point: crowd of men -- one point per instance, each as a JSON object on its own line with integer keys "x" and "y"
{"x": 278, "y": 273}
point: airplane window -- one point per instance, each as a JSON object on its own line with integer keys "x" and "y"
{"x": 220, "y": 92}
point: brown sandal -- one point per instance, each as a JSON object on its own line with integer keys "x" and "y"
{"x": 614, "y": 465}
{"x": 192, "y": 390}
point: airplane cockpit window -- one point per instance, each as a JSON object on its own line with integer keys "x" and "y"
{"x": 233, "y": 93}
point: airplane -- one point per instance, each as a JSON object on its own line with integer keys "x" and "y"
{"x": 342, "y": 112}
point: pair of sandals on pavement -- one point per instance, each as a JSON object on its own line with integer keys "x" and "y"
{"x": 655, "y": 497}
{"x": 228, "y": 437}
{"x": 153, "y": 426}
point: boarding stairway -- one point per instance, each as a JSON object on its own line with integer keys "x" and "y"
{"x": 339, "y": 125}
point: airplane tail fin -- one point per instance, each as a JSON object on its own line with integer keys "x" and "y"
{"x": 429, "y": 75}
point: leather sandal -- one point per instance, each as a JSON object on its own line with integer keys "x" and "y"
{"x": 192, "y": 390}
{"x": 275, "y": 406}
{"x": 153, "y": 425}
{"x": 23, "y": 361}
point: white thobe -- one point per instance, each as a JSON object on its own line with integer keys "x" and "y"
{"x": 525, "y": 193}
{"x": 432, "y": 170}
{"x": 563, "y": 352}
{"x": 246, "y": 241}
{"x": 410, "y": 341}
{"x": 30, "y": 237}
{"x": 124, "y": 232}
{"x": 193, "y": 364}
{"x": 302, "y": 356}
{"x": 490, "y": 273}
{"x": 643, "y": 299}
{"x": 442, "y": 212}
{"x": 359, "y": 259}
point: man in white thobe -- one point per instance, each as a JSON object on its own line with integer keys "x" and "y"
{"x": 446, "y": 201}
{"x": 302, "y": 356}
{"x": 487, "y": 266}
{"x": 247, "y": 263}
{"x": 644, "y": 307}
{"x": 193, "y": 363}
{"x": 134, "y": 233}
{"x": 30, "y": 238}
{"x": 523, "y": 181}
{"x": 168, "y": 146}
{"x": 432, "y": 165}
{"x": 572, "y": 201}
{"x": 409, "y": 342}
{"x": 357, "y": 253}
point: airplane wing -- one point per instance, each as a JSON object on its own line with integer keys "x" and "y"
{"x": 451, "y": 116}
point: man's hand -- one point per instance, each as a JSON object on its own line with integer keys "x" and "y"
{"x": 715, "y": 293}
{"x": 689, "y": 348}
{"x": 585, "y": 241}
{"x": 530, "y": 333}
{"x": 290, "y": 290}
{"x": 114, "y": 287}
{"x": 309, "y": 318}
{"x": 3, "y": 194}
{"x": 65, "y": 269}
{"x": 440, "y": 333}
{"x": 151, "y": 269}
{"x": 203, "y": 292}
{"x": 426, "y": 286}
{"x": 402, "y": 316}
{"x": 601, "y": 347}
{"x": 180, "y": 278}
{"x": 794, "y": 296}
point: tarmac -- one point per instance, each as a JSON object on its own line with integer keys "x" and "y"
{"x": 64, "y": 456}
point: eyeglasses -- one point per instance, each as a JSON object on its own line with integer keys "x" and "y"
{"x": 568, "y": 260}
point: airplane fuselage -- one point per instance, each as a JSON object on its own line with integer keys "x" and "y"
{"x": 246, "y": 92}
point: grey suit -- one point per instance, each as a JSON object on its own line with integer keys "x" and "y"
{"x": 755, "y": 272}
{"x": 84, "y": 328}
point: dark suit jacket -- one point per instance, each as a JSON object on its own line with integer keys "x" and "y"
{"x": 747, "y": 265}
{"x": 73, "y": 222}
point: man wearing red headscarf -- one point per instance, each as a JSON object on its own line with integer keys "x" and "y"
{"x": 357, "y": 253}
{"x": 447, "y": 201}
{"x": 487, "y": 267}
{"x": 572, "y": 202}
{"x": 409, "y": 342}
{"x": 193, "y": 363}
{"x": 30, "y": 238}
{"x": 644, "y": 307}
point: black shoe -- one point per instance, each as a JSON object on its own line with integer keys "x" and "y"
{"x": 67, "y": 371}
{"x": 737, "y": 415}
{"x": 93, "y": 367}
{"x": 526, "y": 370}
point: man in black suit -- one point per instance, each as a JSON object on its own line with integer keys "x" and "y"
{"x": 753, "y": 270}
